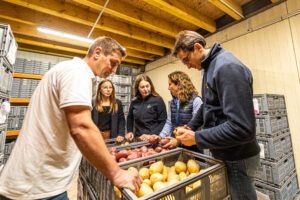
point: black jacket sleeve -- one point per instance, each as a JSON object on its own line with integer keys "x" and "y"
{"x": 233, "y": 84}
{"x": 162, "y": 116}
{"x": 121, "y": 119}
{"x": 130, "y": 118}
{"x": 197, "y": 121}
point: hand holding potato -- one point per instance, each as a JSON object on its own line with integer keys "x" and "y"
{"x": 127, "y": 179}
{"x": 180, "y": 130}
{"x": 144, "y": 137}
{"x": 173, "y": 143}
{"x": 119, "y": 139}
{"x": 187, "y": 137}
{"x": 129, "y": 136}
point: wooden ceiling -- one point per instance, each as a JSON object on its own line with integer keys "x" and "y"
{"x": 147, "y": 28}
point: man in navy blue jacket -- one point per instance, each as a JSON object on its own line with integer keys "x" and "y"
{"x": 226, "y": 116}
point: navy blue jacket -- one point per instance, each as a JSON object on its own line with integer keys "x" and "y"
{"x": 117, "y": 122}
{"x": 146, "y": 116}
{"x": 227, "y": 114}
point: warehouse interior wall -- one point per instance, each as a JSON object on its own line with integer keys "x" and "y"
{"x": 269, "y": 44}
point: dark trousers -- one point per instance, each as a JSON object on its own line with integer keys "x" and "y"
{"x": 62, "y": 196}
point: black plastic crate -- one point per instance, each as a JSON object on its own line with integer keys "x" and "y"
{"x": 269, "y": 102}
{"x": 274, "y": 148}
{"x": 268, "y": 125}
{"x": 276, "y": 173}
{"x": 287, "y": 192}
{"x": 8, "y": 45}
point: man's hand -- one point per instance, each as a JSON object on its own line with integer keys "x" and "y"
{"x": 144, "y": 137}
{"x": 119, "y": 139}
{"x": 180, "y": 129}
{"x": 129, "y": 136}
{"x": 173, "y": 143}
{"x": 186, "y": 137}
{"x": 126, "y": 179}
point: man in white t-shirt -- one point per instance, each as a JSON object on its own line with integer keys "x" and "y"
{"x": 58, "y": 128}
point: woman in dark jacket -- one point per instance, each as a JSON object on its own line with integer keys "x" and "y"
{"x": 108, "y": 112}
{"x": 147, "y": 111}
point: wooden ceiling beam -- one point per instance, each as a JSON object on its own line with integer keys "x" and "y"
{"x": 185, "y": 13}
{"x": 229, "y": 7}
{"x": 26, "y": 16}
{"x": 83, "y": 16}
{"x": 38, "y": 44}
{"x": 133, "y": 15}
{"x": 31, "y": 30}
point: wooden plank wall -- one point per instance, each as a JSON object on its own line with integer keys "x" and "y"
{"x": 269, "y": 43}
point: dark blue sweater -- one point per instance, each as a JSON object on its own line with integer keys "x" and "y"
{"x": 227, "y": 114}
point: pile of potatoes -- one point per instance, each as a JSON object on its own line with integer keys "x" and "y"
{"x": 124, "y": 155}
{"x": 158, "y": 176}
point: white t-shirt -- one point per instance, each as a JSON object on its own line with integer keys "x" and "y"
{"x": 45, "y": 157}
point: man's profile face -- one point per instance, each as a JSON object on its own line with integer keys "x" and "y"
{"x": 109, "y": 64}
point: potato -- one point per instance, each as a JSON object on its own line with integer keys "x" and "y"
{"x": 172, "y": 176}
{"x": 159, "y": 185}
{"x": 180, "y": 167}
{"x": 158, "y": 149}
{"x": 145, "y": 189}
{"x": 132, "y": 169}
{"x": 147, "y": 181}
{"x": 122, "y": 154}
{"x": 156, "y": 167}
{"x": 122, "y": 160}
{"x": 172, "y": 169}
{"x": 165, "y": 172}
{"x": 144, "y": 173}
{"x": 132, "y": 156}
{"x": 164, "y": 141}
{"x": 193, "y": 166}
{"x": 156, "y": 177}
{"x": 172, "y": 181}
{"x": 182, "y": 176}
{"x": 144, "y": 149}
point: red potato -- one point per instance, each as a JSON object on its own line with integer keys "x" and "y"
{"x": 164, "y": 141}
{"x": 122, "y": 160}
{"x": 133, "y": 156}
{"x": 164, "y": 150}
{"x": 158, "y": 149}
{"x": 144, "y": 149}
{"x": 122, "y": 154}
{"x": 150, "y": 149}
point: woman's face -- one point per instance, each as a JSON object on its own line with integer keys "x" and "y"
{"x": 106, "y": 89}
{"x": 144, "y": 88}
{"x": 173, "y": 88}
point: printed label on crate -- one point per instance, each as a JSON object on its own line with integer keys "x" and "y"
{"x": 262, "y": 150}
{"x": 256, "y": 106}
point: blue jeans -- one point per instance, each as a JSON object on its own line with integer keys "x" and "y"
{"x": 240, "y": 177}
{"x": 62, "y": 196}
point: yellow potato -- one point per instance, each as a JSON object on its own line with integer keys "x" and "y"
{"x": 156, "y": 177}
{"x": 145, "y": 189}
{"x": 197, "y": 184}
{"x": 133, "y": 169}
{"x": 182, "y": 176}
{"x": 144, "y": 173}
{"x": 147, "y": 181}
{"x": 193, "y": 166}
{"x": 156, "y": 167}
{"x": 180, "y": 167}
{"x": 159, "y": 185}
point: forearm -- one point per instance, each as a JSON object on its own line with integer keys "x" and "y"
{"x": 93, "y": 148}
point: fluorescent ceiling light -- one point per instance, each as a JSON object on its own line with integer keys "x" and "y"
{"x": 64, "y": 34}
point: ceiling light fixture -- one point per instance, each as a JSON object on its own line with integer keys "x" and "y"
{"x": 64, "y": 34}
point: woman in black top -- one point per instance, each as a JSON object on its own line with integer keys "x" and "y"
{"x": 108, "y": 112}
{"x": 147, "y": 111}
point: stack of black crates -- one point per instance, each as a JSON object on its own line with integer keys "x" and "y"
{"x": 276, "y": 176}
{"x": 8, "y": 48}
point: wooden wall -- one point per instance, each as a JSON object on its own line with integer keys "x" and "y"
{"x": 269, "y": 44}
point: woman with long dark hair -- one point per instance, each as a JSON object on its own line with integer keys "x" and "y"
{"x": 108, "y": 112}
